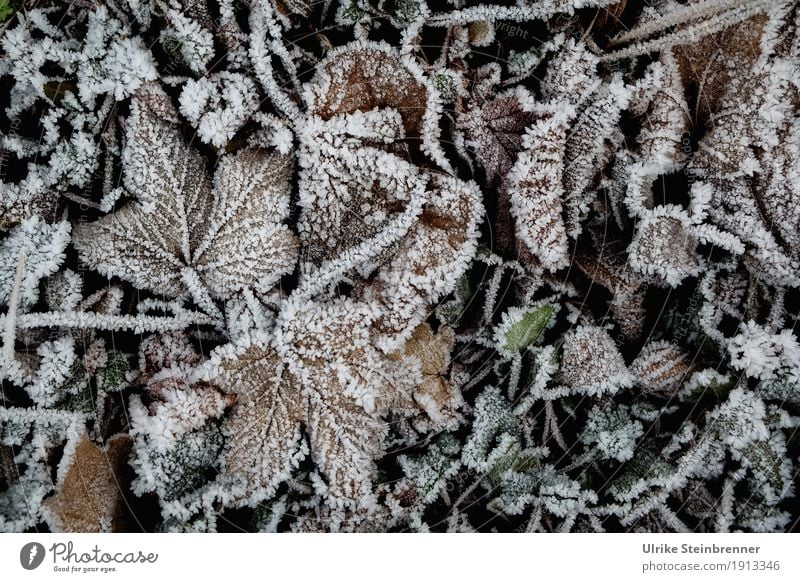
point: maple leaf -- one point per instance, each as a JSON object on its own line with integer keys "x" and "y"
{"x": 320, "y": 370}
{"x": 182, "y": 231}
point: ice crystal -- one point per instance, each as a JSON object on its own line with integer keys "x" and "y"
{"x": 41, "y": 247}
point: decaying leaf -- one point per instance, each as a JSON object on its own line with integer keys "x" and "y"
{"x": 90, "y": 494}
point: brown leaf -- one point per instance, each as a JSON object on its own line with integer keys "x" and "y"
{"x": 365, "y": 78}
{"x": 710, "y": 66}
{"x": 89, "y": 498}
{"x": 320, "y": 370}
{"x": 435, "y": 395}
{"x": 661, "y": 368}
{"x": 494, "y": 132}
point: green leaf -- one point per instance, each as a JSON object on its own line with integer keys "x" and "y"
{"x": 527, "y": 329}
{"x": 766, "y": 461}
{"x": 115, "y": 372}
{"x": 8, "y": 8}
{"x": 352, "y": 12}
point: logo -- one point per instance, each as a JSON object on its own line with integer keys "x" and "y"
{"x": 31, "y": 555}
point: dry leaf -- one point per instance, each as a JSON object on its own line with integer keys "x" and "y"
{"x": 89, "y": 497}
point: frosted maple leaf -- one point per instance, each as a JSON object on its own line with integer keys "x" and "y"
{"x": 494, "y": 131}
{"x": 318, "y": 370}
{"x": 182, "y": 234}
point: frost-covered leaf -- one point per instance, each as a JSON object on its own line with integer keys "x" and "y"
{"x": 187, "y": 38}
{"x": 365, "y": 207}
{"x": 761, "y": 354}
{"x": 263, "y": 427}
{"x": 28, "y": 438}
{"x": 89, "y": 497}
{"x": 428, "y": 473}
{"x": 536, "y": 189}
{"x": 612, "y": 432}
{"x": 429, "y": 261}
{"x": 664, "y": 246}
{"x": 494, "y": 132}
{"x": 591, "y": 362}
{"x": 187, "y": 230}
{"x": 319, "y": 369}
{"x": 522, "y": 327}
{"x": 176, "y": 440}
{"x": 366, "y": 76}
{"x": 436, "y": 395}
{"x": 661, "y": 368}
{"x": 112, "y": 62}
{"x": 748, "y": 158}
{"x": 493, "y": 419}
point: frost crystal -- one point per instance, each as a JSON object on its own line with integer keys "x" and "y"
{"x": 39, "y": 248}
